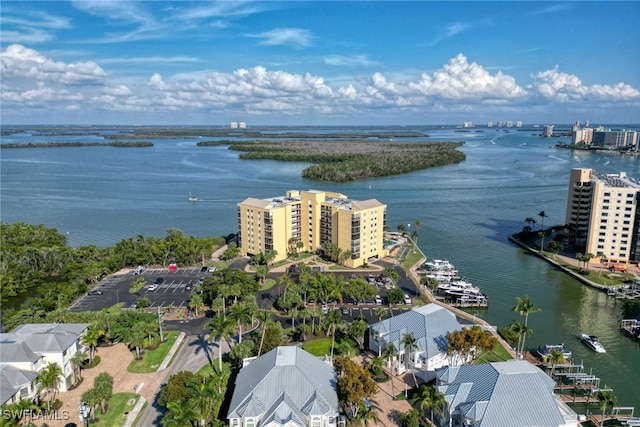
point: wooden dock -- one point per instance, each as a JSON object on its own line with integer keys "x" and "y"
{"x": 631, "y": 327}
{"x": 624, "y": 291}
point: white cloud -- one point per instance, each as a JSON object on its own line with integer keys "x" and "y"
{"x": 460, "y": 79}
{"x": 449, "y": 31}
{"x": 33, "y": 81}
{"x": 563, "y": 87}
{"x": 349, "y": 61}
{"x": 19, "y": 61}
{"x": 296, "y": 38}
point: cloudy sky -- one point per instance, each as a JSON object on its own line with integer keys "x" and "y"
{"x": 318, "y": 63}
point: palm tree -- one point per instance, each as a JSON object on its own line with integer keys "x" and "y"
{"x": 417, "y": 223}
{"x": 201, "y": 398}
{"x": 519, "y": 329}
{"x": 409, "y": 343}
{"x": 241, "y": 314}
{"x": 429, "y": 398}
{"x": 555, "y": 357}
{"x": 178, "y": 415}
{"x": 221, "y": 328}
{"x": 529, "y": 220}
{"x": 263, "y": 317}
{"x": 389, "y": 352}
{"x": 91, "y": 338}
{"x": 196, "y": 302}
{"x": 525, "y": 307}
{"x": 49, "y": 379}
{"x": 77, "y": 361}
{"x": 606, "y": 398}
{"x": 332, "y": 320}
{"x": 542, "y": 215}
{"x": 380, "y": 312}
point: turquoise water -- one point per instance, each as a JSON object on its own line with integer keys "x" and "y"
{"x": 100, "y": 195}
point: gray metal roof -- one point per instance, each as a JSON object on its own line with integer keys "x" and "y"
{"x": 16, "y": 351}
{"x": 429, "y": 324}
{"x": 12, "y": 379}
{"x": 45, "y": 337}
{"x": 286, "y": 384}
{"x": 514, "y": 393}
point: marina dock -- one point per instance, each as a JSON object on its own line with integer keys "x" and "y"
{"x": 631, "y": 327}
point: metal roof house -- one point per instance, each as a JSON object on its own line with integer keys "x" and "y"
{"x": 28, "y": 349}
{"x": 429, "y": 325}
{"x": 285, "y": 387}
{"x": 514, "y": 393}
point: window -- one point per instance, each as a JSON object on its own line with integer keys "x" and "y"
{"x": 316, "y": 422}
{"x": 250, "y": 422}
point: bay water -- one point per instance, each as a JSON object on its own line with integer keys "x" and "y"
{"x": 101, "y": 195}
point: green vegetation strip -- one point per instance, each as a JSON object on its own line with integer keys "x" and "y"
{"x": 352, "y": 159}
{"x": 117, "y": 406}
{"x": 152, "y": 359}
{"x": 118, "y": 144}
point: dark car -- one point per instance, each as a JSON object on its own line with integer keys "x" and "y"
{"x": 159, "y": 281}
{"x": 95, "y": 292}
{"x": 204, "y": 269}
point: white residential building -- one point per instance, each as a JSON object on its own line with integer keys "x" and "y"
{"x": 285, "y": 387}
{"x": 429, "y": 325}
{"x": 30, "y": 348}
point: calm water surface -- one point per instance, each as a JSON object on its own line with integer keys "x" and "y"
{"x": 100, "y": 195}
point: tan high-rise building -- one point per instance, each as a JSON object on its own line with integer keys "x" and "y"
{"x": 317, "y": 219}
{"x": 602, "y": 215}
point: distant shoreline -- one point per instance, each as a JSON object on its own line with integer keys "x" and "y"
{"x": 117, "y": 144}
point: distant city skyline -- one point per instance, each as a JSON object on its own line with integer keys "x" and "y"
{"x": 319, "y": 63}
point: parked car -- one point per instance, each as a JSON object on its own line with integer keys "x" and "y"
{"x": 407, "y": 299}
{"x": 212, "y": 269}
{"x": 345, "y": 310}
{"x": 325, "y": 308}
{"x": 139, "y": 270}
{"x": 204, "y": 269}
{"x": 95, "y": 292}
{"x": 159, "y": 281}
{"x": 153, "y": 287}
{"x": 378, "y": 300}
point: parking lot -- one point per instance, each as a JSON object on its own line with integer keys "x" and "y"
{"x": 175, "y": 289}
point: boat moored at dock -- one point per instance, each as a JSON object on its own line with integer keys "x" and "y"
{"x": 545, "y": 352}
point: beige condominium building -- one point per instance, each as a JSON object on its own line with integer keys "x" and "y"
{"x": 602, "y": 216}
{"x": 316, "y": 219}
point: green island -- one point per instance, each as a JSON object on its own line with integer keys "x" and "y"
{"x": 342, "y": 161}
{"x": 117, "y": 144}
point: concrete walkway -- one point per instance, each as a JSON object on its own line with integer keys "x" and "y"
{"x": 133, "y": 414}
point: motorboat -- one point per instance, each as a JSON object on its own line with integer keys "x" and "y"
{"x": 592, "y": 342}
{"x": 459, "y": 288}
{"x": 193, "y": 198}
{"x": 545, "y": 352}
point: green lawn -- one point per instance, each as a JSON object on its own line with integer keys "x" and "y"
{"x": 117, "y": 406}
{"x": 269, "y": 283}
{"x": 152, "y": 359}
{"x": 207, "y": 370}
{"x": 318, "y": 347}
{"x": 412, "y": 258}
{"x": 499, "y": 354}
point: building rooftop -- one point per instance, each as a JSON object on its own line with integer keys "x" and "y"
{"x": 620, "y": 180}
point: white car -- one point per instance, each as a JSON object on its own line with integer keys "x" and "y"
{"x": 407, "y": 299}
{"x": 153, "y": 287}
{"x": 378, "y": 300}
{"x": 212, "y": 269}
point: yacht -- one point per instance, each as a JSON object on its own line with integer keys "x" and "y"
{"x": 592, "y": 342}
{"x": 459, "y": 288}
{"x": 545, "y": 351}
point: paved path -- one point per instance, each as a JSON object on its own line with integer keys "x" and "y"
{"x": 113, "y": 360}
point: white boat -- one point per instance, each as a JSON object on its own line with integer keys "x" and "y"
{"x": 592, "y": 342}
{"x": 193, "y": 198}
{"x": 545, "y": 351}
{"x": 458, "y": 288}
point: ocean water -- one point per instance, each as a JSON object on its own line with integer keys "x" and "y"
{"x": 100, "y": 195}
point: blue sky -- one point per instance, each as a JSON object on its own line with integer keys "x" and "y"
{"x": 319, "y": 63}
